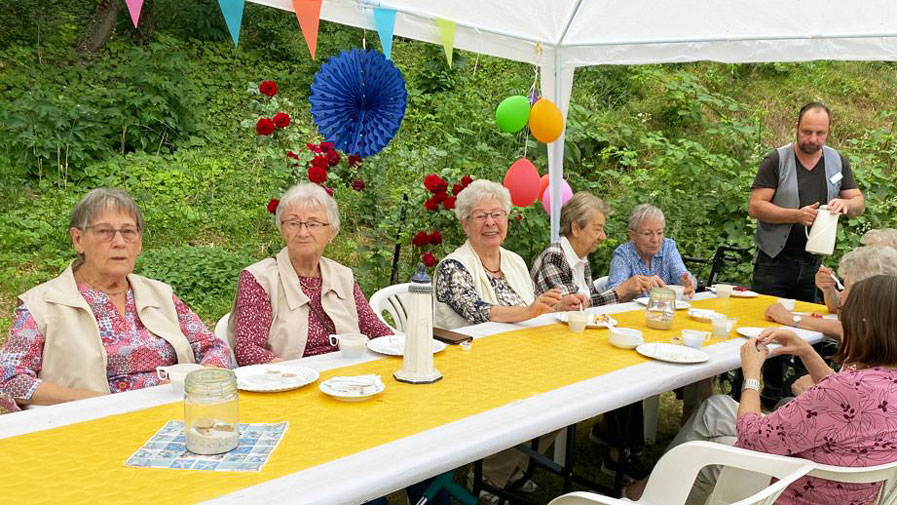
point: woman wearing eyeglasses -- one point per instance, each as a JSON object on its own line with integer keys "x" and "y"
{"x": 287, "y": 306}
{"x": 98, "y": 327}
{"x": 649, "y": 254}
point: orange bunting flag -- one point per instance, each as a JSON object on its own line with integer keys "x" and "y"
{"x": 308, "y": 12}
{"x": 447, "y": 34}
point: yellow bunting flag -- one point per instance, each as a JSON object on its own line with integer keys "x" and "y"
{"x": 447, "y": 34}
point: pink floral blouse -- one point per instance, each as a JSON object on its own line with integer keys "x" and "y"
{"x": 253, "y": 318}
{"x": 133, "y": 353}
{"x": 848, "y": 419}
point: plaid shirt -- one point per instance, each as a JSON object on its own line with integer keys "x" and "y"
{"x": 551, "y": 270}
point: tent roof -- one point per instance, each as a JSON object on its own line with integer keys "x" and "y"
{"x": 593, "y": 32}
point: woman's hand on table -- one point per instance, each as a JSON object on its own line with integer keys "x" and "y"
{"x": 791, "y": 342}
{"x": 573, "y": 301}
{"x": 687, "y": 282}
{"x": 637, "y": 285}
{"x": 753, "y": 354}
{"x": 778, "y": 313}
{"x": 544, "y": 303}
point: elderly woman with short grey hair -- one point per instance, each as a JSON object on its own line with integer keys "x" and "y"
{"x": 482, "y": 281}
{"x": 99, "y": 328}
{"x": 825, "y": 280}
{"x": 565, "y": 264}
{"x": 287, "y": 306}
{"x": 648, "y": 253}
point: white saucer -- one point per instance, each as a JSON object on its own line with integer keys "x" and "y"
{"x": 395, "y": 345}
{"x": 272, "y": 378}
{"x": 749, "y": 331}
{"x": 672, "y": 353}
{"x": 739, "y": 294}
{"x": 562, "y": 317}
{"x": 351, "y": 393}
{"x": 680, "y": 304}
{"x": 704, "y": 315}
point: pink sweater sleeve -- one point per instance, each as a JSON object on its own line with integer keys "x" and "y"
{"x": 252, "y": 322}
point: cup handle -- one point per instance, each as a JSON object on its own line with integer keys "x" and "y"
{"x": 162, "y": 373}
{"x": 334, "y": 340}
{"x": 706, "y": 336}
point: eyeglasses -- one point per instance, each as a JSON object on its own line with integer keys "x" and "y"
{"x": 497, "y": 216}
{"x": 650, "y": 233}
{"x": 311, "y": 226}
{"x": 107, "y": 233}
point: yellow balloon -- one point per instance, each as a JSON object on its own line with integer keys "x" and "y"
{"x": 546, "y": 121}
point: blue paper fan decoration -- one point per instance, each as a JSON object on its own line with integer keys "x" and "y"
{"x": 358, "y": 101}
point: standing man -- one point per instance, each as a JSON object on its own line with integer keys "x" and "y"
{"x": 793, "y": 181}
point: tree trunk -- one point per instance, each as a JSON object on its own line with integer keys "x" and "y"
{"x": 147, "y": 25}
{"x": 99, "y": 30}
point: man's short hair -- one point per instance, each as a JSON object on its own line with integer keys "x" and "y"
{"x": 812, "y": 106}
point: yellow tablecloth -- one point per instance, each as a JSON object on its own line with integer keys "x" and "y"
{"x": 83, "y": 463}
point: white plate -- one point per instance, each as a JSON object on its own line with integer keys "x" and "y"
{"x": 562, "y": 317}
{"x": 672, "y": 353}
{"x": 704, "y": 315}
{"x": 738, "y": 294}
{"x": 395, "y": 345}
{"x": 749, "y": 331}
{"x": 353, "y": 394}
{"x": 272, "y": 378}
{"x": 680, "y": 304}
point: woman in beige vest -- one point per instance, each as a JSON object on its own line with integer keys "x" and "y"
{"x": 287, "y": 306}
{"x": 98, "y": 327}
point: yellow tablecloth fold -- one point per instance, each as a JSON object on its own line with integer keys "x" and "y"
{"x": 83, "y": 463}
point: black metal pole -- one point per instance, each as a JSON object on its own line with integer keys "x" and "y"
{"x": 394, "y": 275}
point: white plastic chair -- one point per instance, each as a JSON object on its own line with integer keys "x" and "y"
{"x": 733, "y": 482}
{"x": 221, "y": 333}
{"x": 601, "y": 284}
{"x": 672, "y": 478}
{"x": 392, "y": 299}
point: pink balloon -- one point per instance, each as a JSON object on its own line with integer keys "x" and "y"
{"x": 522, "y": 180}
{"x": 566, "y": 194}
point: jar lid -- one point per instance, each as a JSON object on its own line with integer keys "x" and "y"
{"x": 663, "y": 293}
{"x": 211, "y": 381}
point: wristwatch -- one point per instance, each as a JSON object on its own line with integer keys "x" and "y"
{"x": 751, "y": 384}
{"x": 796, "y": 320}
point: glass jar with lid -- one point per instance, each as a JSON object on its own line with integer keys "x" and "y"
{"x": 210, "y": 411}
{"x": 661, "y": 309}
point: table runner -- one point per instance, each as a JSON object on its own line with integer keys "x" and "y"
{"x": 84, "y": 462}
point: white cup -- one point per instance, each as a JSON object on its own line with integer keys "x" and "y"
{"x": 177, "y": 374}
{"x": 351, "y": 345}
{"x": 722, "y": 326}
{"x": 788, "y": 303}
{"x": 692, "y": 338}
{"x": 723, "y": 291}
{"x": 679, "y": 290}
{"x": 577, "y": 320}
{"x": 626, "y": 338}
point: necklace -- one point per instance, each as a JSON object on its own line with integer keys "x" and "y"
{"x": 498, "y": 270}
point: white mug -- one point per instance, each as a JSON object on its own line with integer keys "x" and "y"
{"x": 692, "y": 338}
{"x": 351, "y": 345}
{"x": 177, "y": 374}
{"x": 626, "y": 338}
{"x": 577, "y": 320}
{"x": 679, "y": 290}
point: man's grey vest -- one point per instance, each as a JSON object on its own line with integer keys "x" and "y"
{"x": 771, "y": 238}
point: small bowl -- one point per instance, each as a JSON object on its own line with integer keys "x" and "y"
{"x": 625, "y": 338}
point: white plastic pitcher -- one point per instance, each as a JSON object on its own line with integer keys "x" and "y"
{"x": 821, "y": 236}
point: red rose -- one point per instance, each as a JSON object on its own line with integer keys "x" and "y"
{"x": 449, "y": 203}
{"x": 431, "y": 205}
{"x": 333, "y": 158}
{"x": 272, "y": 205}
{"x": 264, "y": 126}
{"x": 319, "y": 162}
{"x": 317, "y": 174}
{"x": 281, "y": 119}
{"x": 354, "y": 159}
{"x": 457, "y": 189}
{"x": 293, "y": 155}
{"x": 440, "y": 197}
{"x": 268, "y": 88}
{"x": 435, "y": 237}
{"x": 435, "y": 184}
{"x": 428, "y": 259}
{"x": 313, "y": 148}
{"x": 466, "y": 180}
{"x": 327, "y": 146}
{"x": 358, "y": 185}
{"x": 420, "y": 238}
{"x": 328, "y": 190}
{"x": 519, "y": 217}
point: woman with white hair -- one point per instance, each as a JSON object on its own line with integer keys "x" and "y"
{"x": 648, "y": 253}
{"x": 287, "y": 306}
{"x": 482, "y": 281}
{"x": 880, "y": 237}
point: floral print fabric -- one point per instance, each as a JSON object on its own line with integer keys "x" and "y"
{"x": 456, "y": 289}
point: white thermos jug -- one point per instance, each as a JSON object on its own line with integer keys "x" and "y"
{"x": 822, "y": 235}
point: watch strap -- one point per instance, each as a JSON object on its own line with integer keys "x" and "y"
{"x": 751, "y": 384}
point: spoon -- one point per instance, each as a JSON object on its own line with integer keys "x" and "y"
{"x": 837, "y": 283}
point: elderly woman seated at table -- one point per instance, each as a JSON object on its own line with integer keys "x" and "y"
{"x": 649, "y": 254}
{"x": 565, "y": 263}
{"x": 98, "y": 327}
{"x": 825, "y": 281}
{"x": 287, "y": 306}
{"x": 844, "y": 420}
{"x": 482, "y": 281}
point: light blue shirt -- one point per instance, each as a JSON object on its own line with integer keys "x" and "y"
{"x": 666, "y": 264}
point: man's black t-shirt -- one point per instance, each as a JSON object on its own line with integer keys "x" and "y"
{"x": 811, "y": 188}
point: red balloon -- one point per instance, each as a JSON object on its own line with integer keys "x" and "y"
{"x": 522, "y": 180}
{"x": 543, "y": 185}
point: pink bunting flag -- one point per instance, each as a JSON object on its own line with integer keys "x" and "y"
{"x": 308, "y": 12}
{"x": 134, "y": 7}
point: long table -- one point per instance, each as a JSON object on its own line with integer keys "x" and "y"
{"x": 56, "y": 454}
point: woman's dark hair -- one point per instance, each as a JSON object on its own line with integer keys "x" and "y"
{"x": 869, "y": 318}
{"x": 814, "y": 105}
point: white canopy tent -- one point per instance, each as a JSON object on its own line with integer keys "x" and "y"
{"x": 560, "y": 35}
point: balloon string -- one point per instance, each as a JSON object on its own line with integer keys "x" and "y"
{"x": 476, "y": 62}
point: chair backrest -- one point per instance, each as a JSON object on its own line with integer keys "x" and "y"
{"x": 673, "y": 476}
{"x": 221, "y": 333}
{"x": 601, "y": 284}
{"x": 393, "y": 300}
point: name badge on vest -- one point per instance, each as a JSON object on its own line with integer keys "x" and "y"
{"x": 836, "y": 178}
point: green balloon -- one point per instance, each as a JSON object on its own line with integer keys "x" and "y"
{"x": 512, "y": 113}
